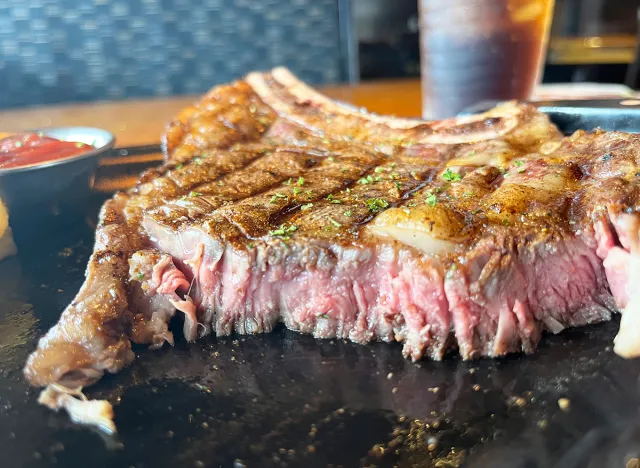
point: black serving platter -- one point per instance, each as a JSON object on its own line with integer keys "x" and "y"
{"x": 610, "y": 114}
{"x": 287, "y": 400}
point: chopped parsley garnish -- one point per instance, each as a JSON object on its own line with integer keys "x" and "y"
{"x": 379, "y": 169}
{"x": 397, "y": 185}
{"x": 331, "y": 158}
{"x": 306, "y": 207}
{"x": 283, "y": 231}
{"x": 377, "y": 204}
{"x": 296, "y": 190}
{"x": 366, "y": 180}
{"x": 518, "y": 163}
{"x": 288, "y": 181}
{"x": 467, "y": 194}
{"x": 451, "y": 271}
{"x": 300, "y": 181}
{"x": 451, "y": 176}
{"x": 344, "y": 169}
{"x": 276, "y": 196}
{"x": 348, "y": 213}
{"x": 195, "y": 194}
{"x": 179, "y": 166}
{"x": 324, "y": 316}
{"x": 414, "y": 174}
{"x": 505, "y": 222}
{"x": 431, "y": 199}
{"x": 334, "y": 200}
{"x": 198, "y": 160}
{"x": 395, "y": 175}
{"x": 335, "y": 223}
{"x": 140, "y": 276}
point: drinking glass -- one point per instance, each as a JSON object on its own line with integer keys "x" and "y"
{"x": 476, "y": 50}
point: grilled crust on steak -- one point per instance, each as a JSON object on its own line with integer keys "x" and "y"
{"x": 276, "y": 204}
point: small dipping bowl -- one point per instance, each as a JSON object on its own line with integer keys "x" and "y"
{"x": 35, "y": 192}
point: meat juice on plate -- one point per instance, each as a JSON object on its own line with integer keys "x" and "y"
{"x": 477, "y": 50}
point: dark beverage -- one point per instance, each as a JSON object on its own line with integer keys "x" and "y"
{"x": 475, "y": 50}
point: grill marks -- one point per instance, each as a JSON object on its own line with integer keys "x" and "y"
{"x": 199, "y": 205}
{"x": 256, "y": 216}
{"x": 382, "y": 187}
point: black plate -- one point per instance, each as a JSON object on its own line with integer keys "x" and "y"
{"x": 289, "y": 400}
{"x": 610, "y": 114}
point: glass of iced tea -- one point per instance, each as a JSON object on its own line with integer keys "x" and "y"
{"x": 476, "y": 50}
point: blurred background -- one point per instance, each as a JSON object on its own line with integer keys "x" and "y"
{"x": 54, "y": 51}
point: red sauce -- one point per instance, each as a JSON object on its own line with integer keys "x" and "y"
{"x": 31, "y": 148}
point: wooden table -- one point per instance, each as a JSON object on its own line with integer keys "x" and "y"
{"x": 141, "y": 122}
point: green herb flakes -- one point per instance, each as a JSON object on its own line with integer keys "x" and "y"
{"x": 277, "y": 196}
{"x": 140, "y": 276}
{"x": 306, "y": 207}
{"x": 296, "y": 190}
{"x": 331, "y": 159}
{"x": 518, "y": 163}
{"x": 348, "y": 213}
{"x": 377, "y": 204}
{"x": 366, "y": 180}
{"x": 195, "y": 194}
{"x": 431, "y": 199}
{"x": 451, "y": 176}
{"x": 335, "y": 223}
{"x": 288, "y": 181}
{"x": 300, "y": 182}
{"x": 324, "y": 316}
{"x": 283, "y": 231}
{"x": 179, "y": 166}
{"x": 379, "y": 170}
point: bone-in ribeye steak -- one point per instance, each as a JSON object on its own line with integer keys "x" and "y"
{"x": 279, "y": 205}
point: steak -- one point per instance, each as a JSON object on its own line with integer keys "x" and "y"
{"x": 278, "y": 205}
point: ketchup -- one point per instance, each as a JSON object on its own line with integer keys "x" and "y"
{"x": 32, "y": 148}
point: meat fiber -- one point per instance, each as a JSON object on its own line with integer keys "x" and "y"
{"x": 277, "y": 205}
